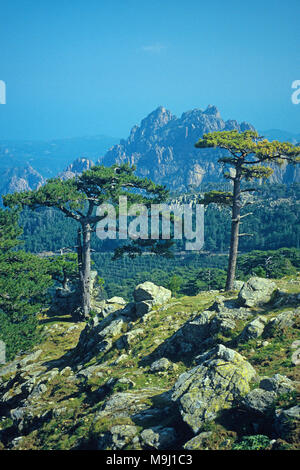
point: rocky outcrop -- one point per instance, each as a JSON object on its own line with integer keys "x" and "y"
{"x": 117, "y": 437}
{"x": 222, "y": 377}
{"x": 158, "y": 437}
{"x": 287, "y": 423}
{"x": 150, "y": 292}
{"x": 198, "y": 334}
{"x": 147, "y": 295}
{"x": 115, "y": 318}
{"x": 281, "y": 322}
{"x": 256, "y": 291}
{"x": 162, "y": 365}
{"x": 104, "y": 383}
{"x": 253, "y": 329}
{"x": 197, "y": 441}
{"x": 261, "y": 400}
{"x": 19, "y": 179}
{"x": 76, "y": 168}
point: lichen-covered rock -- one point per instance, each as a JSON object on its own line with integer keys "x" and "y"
{"x": 197, "y": 442}
{"x": 196, "y": 335}
{"x": 126, "y": 340}
{"x": 149, "y": 291}
{"x": 258, "y": 400}
{"x": 162, "y": 364}
{"x": 25, "y": 417}
{"x": 256, "y": 291}
{"x": 188, "y": 338}
{"x": 279, "y": 384}
{"x": 296, "y": 357}
{"x": 223, "y": 323}
{"x": 278, "y": 324}
{"x": 124, "y": 404}
{"x": 116, "y": 300}
{"x": 117, "y": 437}
{"x": 144, "y": 307}
{"x": 237, "y": 285}
{"x": 287, "y": 421}
{"x": 158, "y": 437}
{"x": 91, "y": 371}
{"x": 221, "y": 378}
{"x": 113, "y": 329}
{"x": 99, "y": 338}
{"x": 254, "y": 329}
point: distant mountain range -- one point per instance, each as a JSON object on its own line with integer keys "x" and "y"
{"x": 282, "y": 136}
{"x": 51, "y": 157}
{"x": 26, "y": 165}
{"x": 161, "y": 147}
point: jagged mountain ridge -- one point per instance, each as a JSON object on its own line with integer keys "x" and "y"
{"x": 162, "y": 148}
{"x": 19, "y": 179}
{"x": 76, "y": 168}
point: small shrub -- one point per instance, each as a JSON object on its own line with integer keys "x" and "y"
{"x": 258, "y": 442}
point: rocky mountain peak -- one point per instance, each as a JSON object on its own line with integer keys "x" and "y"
{"x": 20, "y": 179}
{"x": 158, "y": 118}
{"x": 162, "y": 147}
{"x": 212, "y": 110}
{"x": 76, "y": 168}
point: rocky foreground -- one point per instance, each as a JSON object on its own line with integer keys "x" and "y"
{"x": 213, "y": 371}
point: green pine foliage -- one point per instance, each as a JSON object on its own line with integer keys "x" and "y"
{"x": 24, "y": 281}
{"x": 255, "y": 442}
{"x": 273, "y": 221}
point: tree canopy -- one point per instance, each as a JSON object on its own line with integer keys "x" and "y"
{"x": 24, "y": 281}
{"x": 247, "y": 156}
{"x": 78, "y": 199}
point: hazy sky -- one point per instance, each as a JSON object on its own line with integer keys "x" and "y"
{"x": 85, "y": 67}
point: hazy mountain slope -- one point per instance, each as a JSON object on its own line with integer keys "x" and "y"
{"x": 278, "y": 134}
{"x": 20, "y": 179}
{"x": 51, "y": 157}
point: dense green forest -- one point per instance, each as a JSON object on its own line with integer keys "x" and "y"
{"x": 190, "y": 274}
{"x": 273, "y": 221}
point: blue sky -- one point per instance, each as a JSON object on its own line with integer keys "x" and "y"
{"x": 75, "y": 67}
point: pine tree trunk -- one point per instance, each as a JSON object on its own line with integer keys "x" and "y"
{"x": 84, "y": 266}
{"x": 235, "y": 226}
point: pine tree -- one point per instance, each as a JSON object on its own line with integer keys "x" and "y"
{"x": 247, "y": 156}
{"x": 78, "y": 199}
